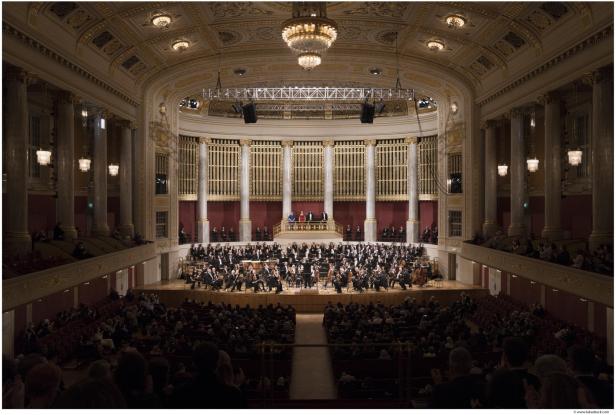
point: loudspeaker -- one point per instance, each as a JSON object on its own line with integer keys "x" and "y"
{"x": 367, "y": 113}
{"x": 250, "y": 113}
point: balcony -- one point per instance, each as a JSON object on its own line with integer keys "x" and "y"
{"x": 27, "y": 288}
{"x": 589, "y": 285}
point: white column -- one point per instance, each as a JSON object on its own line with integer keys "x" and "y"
{"x": 287, "y": 187}
{"x": 412, "y": 224}
{"x": 518, "y": 174}
{"x": 553, "y": 154}
{"x": 370, "y": 222}
{"x": 66, "y": 164}
{"x": 328, "y": 164}
{"x": 126, "y": 180}
{"x": 490, "y": 175}
{"x": 100, "y": 226}
{"x": 602, "y": 149}
{"x": 16, "y": 235}
{"x": 203, "y": 224}
{"x": 245, "y": 230}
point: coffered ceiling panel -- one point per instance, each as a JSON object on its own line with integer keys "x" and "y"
{"x": 493, "y": 34}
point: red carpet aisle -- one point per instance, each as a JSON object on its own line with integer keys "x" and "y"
{"x": 312, "y": 376}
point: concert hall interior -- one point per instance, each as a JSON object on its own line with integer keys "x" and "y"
{"x": 308, "y": 205}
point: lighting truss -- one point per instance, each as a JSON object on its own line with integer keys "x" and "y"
{"x": 308, "y": 94}
{"x": 309, "y": 107}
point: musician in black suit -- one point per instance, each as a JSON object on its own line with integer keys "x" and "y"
{"x": 309, "y": 216}
{"x": 324, "y": 217}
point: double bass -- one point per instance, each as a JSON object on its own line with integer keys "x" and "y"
{"x": 420, "y": 277}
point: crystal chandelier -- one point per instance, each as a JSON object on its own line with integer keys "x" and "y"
{"x": 532, "y": 164}
{"x": 309, "y": 33}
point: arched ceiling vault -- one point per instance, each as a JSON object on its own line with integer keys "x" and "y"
{"x": 117, "y": 41}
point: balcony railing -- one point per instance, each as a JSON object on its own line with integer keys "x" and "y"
{"x": 27, "y": 288}
{"x": 313, "y": 226}
{"x": 588, "y": 285}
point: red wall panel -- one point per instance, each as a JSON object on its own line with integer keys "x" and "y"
{"x": 523, "y": 290}
{"x": 428, "y": 214}
{"x": 391, "y": 213}
{"x": 536, "y": 212}
{"x": 113, "y": 212}
{"x": 19, "y": 322}
{"x": 267, "y": 214}
{"x": 188, "y": 217}
{"x": 566, "y": 306}
{"x": 600, "y": 320}
{"x": 225, "y": 214}
{"x": 93, "y": 292}
{"x": 41, "y": 213}
{"x": 576, "y": 215}
{"x": 51, "y": 305}
{"x": 350, "y": 213}
{"x": 81, "y": 208}
{"x": 503, "y": 212}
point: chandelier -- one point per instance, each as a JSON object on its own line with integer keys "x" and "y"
{"x": 309, "y": 33}
{"x": 84, "y": 164}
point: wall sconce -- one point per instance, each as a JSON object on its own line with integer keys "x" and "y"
{"x": 502, "y": 169}
{"x": 103, "y": 123}
{"x": 575, "y": 157}
{"x": 114, "y": 169}
{"x": 84, "y": 164}
{"x": 532, "y": 164}
{"x": 43, "y": 157}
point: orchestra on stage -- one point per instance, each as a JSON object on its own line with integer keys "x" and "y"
{"x": 270, "y": 267}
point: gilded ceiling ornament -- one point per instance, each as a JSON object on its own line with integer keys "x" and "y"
{"x": 380, "y": 9}
{"x": 236, "y": 9}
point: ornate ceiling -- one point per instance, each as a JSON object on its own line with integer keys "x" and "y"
{"x": 495, "y": 34}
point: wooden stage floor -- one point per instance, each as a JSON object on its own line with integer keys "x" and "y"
{"x": 309, "y": 301}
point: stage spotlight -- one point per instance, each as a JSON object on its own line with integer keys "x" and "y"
{"x": 250, "y": 113}
{"x": 367, "y": 113}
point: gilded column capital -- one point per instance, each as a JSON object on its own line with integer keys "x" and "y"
{"x": 517, "y": 112}
{"x": 549, "y": 97}
{"x": 287, "y": 143}
{"x": 245, "y": 142}
{"x": 328, "y": 143}
{"x": 370, "y": 142}
{"x": 205, "y": 140}
{"x": 411, "y": 140}
{"x": 124, "y": 124}
{"x": 602, "y": 75}
{"x": 67, "y": 97}
{"x": 487, "y": 124}
{"x": 14, "y": 73}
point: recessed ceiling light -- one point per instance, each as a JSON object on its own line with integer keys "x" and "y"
{"x": 455, "y": 21}
{"x": 239, "y": 71}
{"x": 435, "y": 45}
{"x": 180, "y": 45}
{"x": 162, "y": 20}
{"x": 376, "y": 71}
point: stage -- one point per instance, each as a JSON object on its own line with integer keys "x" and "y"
{"x": 175, "y": 292}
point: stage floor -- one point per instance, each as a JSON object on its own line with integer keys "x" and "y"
{"x": 309, "y": 300}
